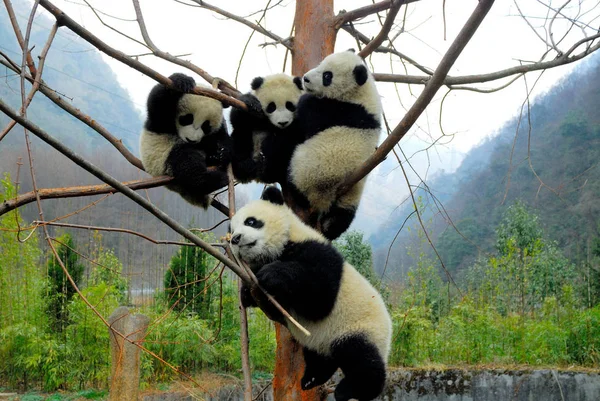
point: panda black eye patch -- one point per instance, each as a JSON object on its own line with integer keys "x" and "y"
{"x": 206, "y": 127}
{"x": 290, "y": 106}
{"x": 327, "y": 78}
{"x": 186, "y": 119}
{"x": 271, "y": 107}
{"x": 254, "y": 223}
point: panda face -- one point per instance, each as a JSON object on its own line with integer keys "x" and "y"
{"x": 338, "y": 75}
{"x": 260, "y": 231}
{"x": 278, "y": 95}
{"x": 197, "y": 116}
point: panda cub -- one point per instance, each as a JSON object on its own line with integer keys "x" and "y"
{"x": 340, "y": 116}
{"x": 265, "y": 135}
{"x": 349, "y": 324}
{"x": 183, "y": 135}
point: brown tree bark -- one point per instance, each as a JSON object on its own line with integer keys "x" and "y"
{"x": 314, "y": 40}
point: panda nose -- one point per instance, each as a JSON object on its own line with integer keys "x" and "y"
{"x": 236, "y": 239}
{"x": 306, "y": 79}
{"x": 283, "y": 123}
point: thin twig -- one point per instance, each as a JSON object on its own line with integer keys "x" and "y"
{"x": 227, "y": 14}
{"x": 118, "y": 230}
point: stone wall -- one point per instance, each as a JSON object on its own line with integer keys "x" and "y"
{"x": 460, "y": 385}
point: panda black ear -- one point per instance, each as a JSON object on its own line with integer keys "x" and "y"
{"x": 272, "y": 194}
{"x": 298, "y": 82}
{"x": 351, "y": 50}
{"x": 225, "y": 105}
{"x": 257, "y": 82}
{"x": 360, "y": 74}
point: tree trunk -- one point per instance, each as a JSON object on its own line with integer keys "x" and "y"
{"x": 313, "y": 40}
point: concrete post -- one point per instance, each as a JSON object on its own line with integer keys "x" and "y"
{"x": 125, "y": 357}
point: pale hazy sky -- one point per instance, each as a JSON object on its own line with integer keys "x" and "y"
{"x": 216, "y": 44}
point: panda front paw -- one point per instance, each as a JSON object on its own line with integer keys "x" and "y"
{"x": 182, "y": 82}
{"x": 246, "y": 297}
{"x": 219, "y": 158}
{"x": 269, "y": 280}
{"x": 253, "y": 104}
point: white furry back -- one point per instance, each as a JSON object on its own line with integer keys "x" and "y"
{"x": 320, "y": 164}
{"x": 155, "y": 149}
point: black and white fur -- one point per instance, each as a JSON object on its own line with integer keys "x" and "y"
{"x": 183, "y": 135}
{"x": 265, "y": 135}
{"x": 349, "y": 325}
{"x": 340, "y": 116}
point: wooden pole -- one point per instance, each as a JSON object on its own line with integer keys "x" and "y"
{"x": 314, "y": 40}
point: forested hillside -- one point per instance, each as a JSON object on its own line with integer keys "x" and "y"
{"x": 548, "y": 158}
{"x": 77, "y": 72}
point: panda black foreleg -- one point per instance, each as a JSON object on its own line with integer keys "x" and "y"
{"x": 363, "y": 368}
{"x": 188, "y": 166}
{"x": 244, "y": 168}
{"x": 280, "y": 279}
{"x": 210, "y": 181}
{"x": 336, "y": 221}
{"x": 319, "y": 368}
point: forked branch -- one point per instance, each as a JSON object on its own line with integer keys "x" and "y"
{"x": 385, "y": 29}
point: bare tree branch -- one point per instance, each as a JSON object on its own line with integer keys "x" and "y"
{"x": 64, "y": 20}
{"x": 224, "y": 86}
{"x": 112, "y": 28}
{"x": 472, "y": 79}
{"x": 79, "y": 191}
{"x": 434, "y": 83}
{"x": 385, "y": 29}
{"x": 349, "y": 16}
{"x": 227, "y": 14}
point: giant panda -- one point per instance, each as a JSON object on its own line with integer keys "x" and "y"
{"x": 265, "y": 135}
{"x": 350, "y": 327}
{"x": 340, "y": 116}
{"x": 182, "y": 136}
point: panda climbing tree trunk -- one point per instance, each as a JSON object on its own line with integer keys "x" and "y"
{"x": 314, "y": 39}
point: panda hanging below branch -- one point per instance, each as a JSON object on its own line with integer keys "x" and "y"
{"x": 340, "y": 117}
{"x": 350, "y": 327}
{"x": 183, "y": 136}
{"x": 265, "y": 135}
